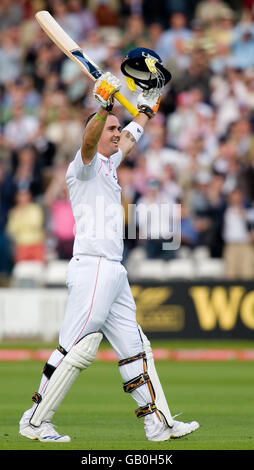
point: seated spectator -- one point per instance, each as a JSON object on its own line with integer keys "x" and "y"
{"x": 215, "y": 39}
{"x": 227, "y": 152}
{"x": 74, "y": 80}
{"x": 140, "y": 175}
{"x": 32, "y": 98}
{"x": 45, "y": 149}
{"x": 96, "y": 48}
{"x": 26, "y": 174}
{"x": 198, "y": 39}
{"x": 84, "y": 16}
{"x": 191, "y": 121}
{"x": 238, "y": 238}
{"x": 241, "y": 135}
{"x": 220, "y": 31}
{"x": 248, "y": 77}
{"x": 6, "y": 202}
{"x": 70, "y": 22}
{"x": 217, "y": 206}
{"x": 181, "y": 120}
{"x": 196, "y": 75}
{"x": 170, "y": 185}
{"x": 209, "y": 11}
{"x": 65, "y": 132}
{"x": 106, "y": 14}
{"x": 246, "y": 178}
{"x": 25, "y": 226}
{"x": 11, "y": 14}
{"x": 243, "y": 46}
{"x": 134, "y": 34}
{"x": 172, "y": 42}
{"x": 155, "y": 224}
{"x": 158, "y": 153}
{"x": 207, "y": 205}
{"x": 10, "y": 56}
{"x": 12, "y": 93}
{"x": 227, "y": 112}
{"x": 21, "y": 129}
{"x": 59, "y": 211}
{"x": 45, "y": 61}
{"x": 234, "y": 178}
{"x": 189, "y": 228}
{"x": 155, "y": 31}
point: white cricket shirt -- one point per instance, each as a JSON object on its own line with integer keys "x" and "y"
{"x": 95, "y": 197}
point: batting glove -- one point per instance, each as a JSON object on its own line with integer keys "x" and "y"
{"x": 104, "y": 89}
{"x": 149, "y": 101}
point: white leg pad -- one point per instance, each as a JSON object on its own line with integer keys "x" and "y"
{"x": 80, "y": 357}
{"x": 160, "y": 399}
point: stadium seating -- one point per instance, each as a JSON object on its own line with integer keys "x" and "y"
{"x": 148, "y": 269}
{"x": 179, "y": 269}
{"x": 210, "y": 268}
{"x": 55, "y": 273}
{"x": 28, "y": 274}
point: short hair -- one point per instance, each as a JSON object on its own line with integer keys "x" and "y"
{"x": 93, "y": 114}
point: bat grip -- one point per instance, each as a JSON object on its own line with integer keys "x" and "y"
{"x": 126, "y": 104}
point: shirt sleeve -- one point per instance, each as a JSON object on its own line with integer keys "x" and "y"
{"x": 82, "y": 171}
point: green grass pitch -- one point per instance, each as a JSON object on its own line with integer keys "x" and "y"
{"x": 98, "y": 415}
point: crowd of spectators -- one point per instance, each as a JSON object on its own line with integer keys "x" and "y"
{"x": 197, "y": 151}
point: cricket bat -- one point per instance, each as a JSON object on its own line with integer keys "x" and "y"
{"x": 56, "y": 33}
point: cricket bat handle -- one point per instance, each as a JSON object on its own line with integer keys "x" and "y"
{"x": 126, "y": 104}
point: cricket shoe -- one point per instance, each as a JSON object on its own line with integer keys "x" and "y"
{"x": 44, "y": 433}
{"x": 161, "y": 432}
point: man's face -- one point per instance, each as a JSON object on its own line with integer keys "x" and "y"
{"x": 108, "y": 143}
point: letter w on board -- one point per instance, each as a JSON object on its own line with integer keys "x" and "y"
{"x": 217, "y": 305}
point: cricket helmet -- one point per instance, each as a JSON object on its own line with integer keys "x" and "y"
{"x": 144, "y": 67}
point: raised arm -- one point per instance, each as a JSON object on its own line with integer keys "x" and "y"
{"x": 103, "y": 92}
{"x": 148, "y": 105}
{"x": 92, "y": 135}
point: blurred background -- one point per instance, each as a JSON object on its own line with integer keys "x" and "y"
{"x": 198, "y": 151}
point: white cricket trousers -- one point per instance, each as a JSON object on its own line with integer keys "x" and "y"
{"x": 100, "y": 298}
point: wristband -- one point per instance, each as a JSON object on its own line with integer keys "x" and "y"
{"x": 135, "y": 129}
{"x": 100, "y": 118}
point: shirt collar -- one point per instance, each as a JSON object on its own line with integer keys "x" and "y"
{"x": 102, "y": 157}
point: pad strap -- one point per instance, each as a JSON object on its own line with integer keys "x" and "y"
{"x": 123, "y": 362}
{"x": 135, "y": 383}
{"x": 145, "y": 410}
{"x": 36, "y": 398}
{"x": 48, "y": 370}
{"x": 62, "y": 350}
